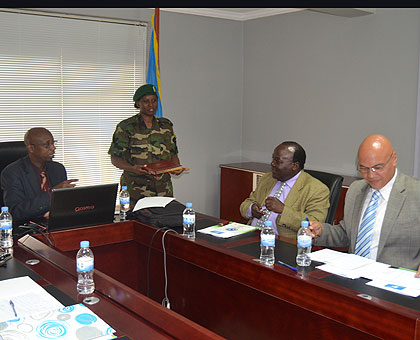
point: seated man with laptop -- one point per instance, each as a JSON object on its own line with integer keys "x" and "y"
{"x": 27, "y": 182}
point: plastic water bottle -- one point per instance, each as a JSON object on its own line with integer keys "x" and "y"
{"x": 188, "y": 220}
{"x": 84, "y": 263}
{"x": 268, "y": 242}
{"x": 124, "y": 203}
{"x": 6, "y": 240}
{"x": 304, "y": 245}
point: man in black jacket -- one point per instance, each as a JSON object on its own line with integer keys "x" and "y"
{"x": 27, "y": 182}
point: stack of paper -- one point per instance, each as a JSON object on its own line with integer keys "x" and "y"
{"x": 347, "y": 265}
{"x": 398, "y": 280}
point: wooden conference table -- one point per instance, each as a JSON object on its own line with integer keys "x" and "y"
{"x": 217, "y": 285}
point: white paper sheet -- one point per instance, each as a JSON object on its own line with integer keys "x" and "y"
{"x": 396, "y": 288}
{"x": 350, "y": 274}
{"x": 351, "y": 261}
{"x": 325, "y": 255}
{"x": 370, "y": 268}
{"x": 27, "y": 296}
{"x": 149, "y": 202}
{"x": 399, "y": 277}
{"x": 397, "y": 280}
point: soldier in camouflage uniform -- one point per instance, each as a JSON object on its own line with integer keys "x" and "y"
{"x": 144, "y": 139}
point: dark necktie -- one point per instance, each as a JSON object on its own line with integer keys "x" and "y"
{"x": 44, "y": 183}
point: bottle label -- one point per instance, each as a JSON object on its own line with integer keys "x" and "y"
{"x": 124, "y": 200}
{"x": 84, "y": 264}
{"x": 304, "y": 241}
{"x": 6, "y": 225}
{"x": 268, "y": 240}
{"x": 188, "y": 219}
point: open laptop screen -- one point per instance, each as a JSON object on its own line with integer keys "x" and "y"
{"x": 82, "y": 206}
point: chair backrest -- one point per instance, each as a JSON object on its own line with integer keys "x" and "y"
{"x": 334, "y": 183}
{"x": 10, "y": 152}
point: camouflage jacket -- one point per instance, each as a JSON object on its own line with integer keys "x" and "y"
{"x": 139, "y": 145}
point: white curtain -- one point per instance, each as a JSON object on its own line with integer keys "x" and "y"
{"x": 74, "y": 77}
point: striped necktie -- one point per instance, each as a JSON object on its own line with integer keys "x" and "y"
{"x": 366, "y": 227}
{"x": 267, "y": 213}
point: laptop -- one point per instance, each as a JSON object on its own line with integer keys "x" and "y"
{"x": 81, "y": 206}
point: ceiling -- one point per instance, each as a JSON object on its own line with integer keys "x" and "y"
{"x": 243, "y": 14}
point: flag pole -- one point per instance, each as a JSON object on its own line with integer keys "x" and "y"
{"x": 153, "y": 70}
{"x": 156, "y": 23}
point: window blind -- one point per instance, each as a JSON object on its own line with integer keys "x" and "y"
{"x": 73, "y": 77}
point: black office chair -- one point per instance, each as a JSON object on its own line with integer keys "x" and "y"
{"x": 10, "y": 152}
{"x": 334, "y": 183}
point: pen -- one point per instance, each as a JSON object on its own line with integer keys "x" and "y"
{"x": 13, "y": 307}
{"x": 287, "y": 265}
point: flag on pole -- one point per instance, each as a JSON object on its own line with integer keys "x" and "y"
{"x": 153, "y": 68}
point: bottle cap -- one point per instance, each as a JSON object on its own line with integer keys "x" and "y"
{"x": 304, "y": 224}
{"x": 268, "y": 223}
{"x": 4, "y": 209}
{"x": 188, "y": 205}
{"x": 124, "y": 187}
{"x": 84, "y": 244}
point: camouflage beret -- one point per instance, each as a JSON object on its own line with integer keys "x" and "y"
{"x": 143, "y": 91}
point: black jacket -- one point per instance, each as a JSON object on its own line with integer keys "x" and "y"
{"x": 22, "y": 190}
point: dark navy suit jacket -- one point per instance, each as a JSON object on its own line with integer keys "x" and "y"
{"x": 22, "y": 189}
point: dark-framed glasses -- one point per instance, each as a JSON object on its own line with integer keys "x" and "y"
{"x": 376, "y": 168}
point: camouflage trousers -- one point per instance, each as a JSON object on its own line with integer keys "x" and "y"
{"x": 146, "y": 185}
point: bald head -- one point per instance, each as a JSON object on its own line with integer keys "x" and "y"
{"x": 40, "y": 144}
{"x": 34, "y": 134}
{"x": 377, "y": 144}
{"x": 377, "y": 160}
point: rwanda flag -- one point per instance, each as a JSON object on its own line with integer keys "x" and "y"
{"x": 153, "y": 69}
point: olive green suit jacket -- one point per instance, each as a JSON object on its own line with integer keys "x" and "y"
{"x": 308, "y": 197}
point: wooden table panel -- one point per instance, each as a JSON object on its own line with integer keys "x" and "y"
{"x": 226, "y": 291}
{"x": 125, "y": 309}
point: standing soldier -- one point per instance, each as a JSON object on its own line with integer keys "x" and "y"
{"x": 143, "y": 139}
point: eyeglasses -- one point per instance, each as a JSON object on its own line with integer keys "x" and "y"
{"x": 376, "y": 168}
{"x": 47, "y": 145}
